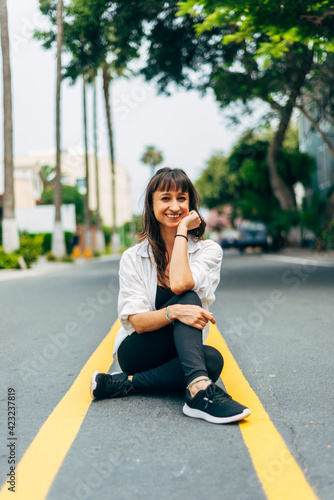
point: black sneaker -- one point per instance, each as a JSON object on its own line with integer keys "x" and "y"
{"x": 214, "y": 405}
{"x": 109, "y": 386}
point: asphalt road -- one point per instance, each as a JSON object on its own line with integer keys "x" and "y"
{"x": 277, "y": 319}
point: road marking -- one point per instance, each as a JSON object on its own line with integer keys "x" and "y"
{"x": 297, "y": 260}
{"x": 275, "y": 467}
{"x": 45, "y": 455}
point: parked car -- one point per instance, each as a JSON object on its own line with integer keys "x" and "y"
{"x": 229, "y": 238}
{"x": 248, "y": 234}
{"x": 253, "y": 234}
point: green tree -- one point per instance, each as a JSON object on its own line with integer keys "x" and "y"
{"x": 217, "y": 184}
{"x": 236, "y": 71}
{"x": 280, "y": 28}
{"x": 284, "y": 24}
{"x": 307, "y": 22}
{"x": 152, "y": 157}
{"x": 236, "y": 74}
{"x": 10, "y": 235}
{"x": 242, "y": 180}
{"x": 258, "y": 60}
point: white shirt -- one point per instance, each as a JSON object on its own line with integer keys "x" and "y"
{"x": 138, "y": 281}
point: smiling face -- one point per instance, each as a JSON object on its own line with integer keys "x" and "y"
{"x": 170, "y": 207}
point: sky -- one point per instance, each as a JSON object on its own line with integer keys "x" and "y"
{"x": 186, "y": 127}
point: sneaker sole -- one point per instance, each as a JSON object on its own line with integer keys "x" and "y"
{"x": 93, "y": 383}
{"x": 192, "y": 412}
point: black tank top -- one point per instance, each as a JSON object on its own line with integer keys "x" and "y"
{"x": 162, "y": 296}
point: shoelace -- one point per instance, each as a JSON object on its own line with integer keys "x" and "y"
{"x": 111, "y": 383}
{"x": 216, "y": 395}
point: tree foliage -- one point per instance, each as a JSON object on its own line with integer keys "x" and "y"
{"x": 276, "y": 29}
{"x": 152, "y": 157}
{"x": 239, "y": 70}
{"x": 284, "y": 23}
{"x": 98, "y": 32}
{"x": 242, "y": 179}
{"x": 217, "y": 184}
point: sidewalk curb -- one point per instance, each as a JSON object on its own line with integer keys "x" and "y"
{"x": 44, "y": 267}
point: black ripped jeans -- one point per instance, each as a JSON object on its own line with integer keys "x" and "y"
{"x": 171, "y": 357}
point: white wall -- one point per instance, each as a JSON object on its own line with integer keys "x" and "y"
{"x": 41, "y": 219}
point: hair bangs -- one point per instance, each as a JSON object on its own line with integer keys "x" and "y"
{"x": 173, "y": 180}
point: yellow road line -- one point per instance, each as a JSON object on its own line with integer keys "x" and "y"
{"x": 275, "y": 467}
{"x": 44, "y": 457}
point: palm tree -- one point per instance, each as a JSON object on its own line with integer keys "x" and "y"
{"x": 58, "y": 240}
{"x": 47, "y": 176}
{"x": 10, "y": 235}
{"x": 90, "y": 40}
{"x": 152, "y": 157}
{"x": 88, "y": 234}
{"x": 99, "y": 232}
{"x": 106, "y": 74}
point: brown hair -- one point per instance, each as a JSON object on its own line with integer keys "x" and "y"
{"x": 167, "y": 179}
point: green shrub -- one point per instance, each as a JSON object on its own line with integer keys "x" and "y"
{"x": 30, "y": 248}
{"x": 107, "y": 234}
{"x": 46, "y": 245}
{"x": 280, "y": 224}
{"x": 9, "y": 260}
{"x": 328, "y": 236}
{"x": 67, "y": 258}
{"x": 50, "y": 257}
{"x": 68, "y": 244}
{"x": 47, "y": 242}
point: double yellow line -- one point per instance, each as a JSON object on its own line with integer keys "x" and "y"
{"x": 274, "y": 465}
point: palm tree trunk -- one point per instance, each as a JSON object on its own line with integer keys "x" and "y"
{"x": 58, "y": 240}
{"x": 99, "y": 232}
{"x": 106, "y": 91}
{"x": 88, "y": 242}
{"x": 10, "y": 234}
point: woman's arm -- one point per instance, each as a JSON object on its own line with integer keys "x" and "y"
{"x": 180, "y": 275}
{"x": 149, "y": 321}
{"x": 189, "y": 314}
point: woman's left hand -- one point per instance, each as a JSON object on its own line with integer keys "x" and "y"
{"x": 191, "y": 221}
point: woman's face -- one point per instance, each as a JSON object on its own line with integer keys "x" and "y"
{"x": 170, "y": 207}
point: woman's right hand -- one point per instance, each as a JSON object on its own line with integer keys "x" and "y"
{"x": 191, "y": 315}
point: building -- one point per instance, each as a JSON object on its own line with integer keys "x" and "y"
{"x": 28, "y": 185}
{"x": 310, "y": 142}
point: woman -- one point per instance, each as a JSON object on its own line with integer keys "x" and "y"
{"x": 167, "y": 283}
